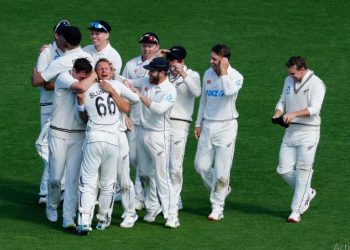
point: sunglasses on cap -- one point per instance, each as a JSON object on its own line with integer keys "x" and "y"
{"x": 97, "y": 25}
{"x": 150, "y": 38}
{"x": 63, "y": 22}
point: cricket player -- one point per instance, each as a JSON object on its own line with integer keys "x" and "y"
{"x": 66, "y": 135}
{"x": 105, "y": 71}
{"x": 149, "y": 43}
{"x": 216, "y": 127}
{"x": 101, "y": 48}
{"x": 50, "y": 53}
{"x": 158, "y": 96}
{"x": 188, "y": 86}
{"x": 103, "y": 104}
{"x": 299, "y": 106}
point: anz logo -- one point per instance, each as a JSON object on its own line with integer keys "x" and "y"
{"x": 214, "y": 93}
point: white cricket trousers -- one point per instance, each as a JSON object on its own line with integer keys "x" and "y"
{"x": 133, "y": 141}
{"x": 178, "y": 138}
{"x": 296, "y": 159}
{"x": 64, "y": 153}
{"x": 154, "y": 171}
{"x": 127, "y": 189}
{"x": 214, "y": 156}
{"x": 99, "y": 161}
{"x": 42, "y": 147}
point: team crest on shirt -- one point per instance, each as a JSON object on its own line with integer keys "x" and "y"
{"x": 288, "y": 90}
{"x": 169, "y": 98}
{"x": 208, "y": 81}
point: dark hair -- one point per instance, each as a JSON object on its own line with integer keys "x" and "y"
{"x": 222, "y": 50}
{"x": 298, "y": 61}
{"x": 82, "y": 65}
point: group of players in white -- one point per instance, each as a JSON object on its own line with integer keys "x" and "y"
{"x": 96, "y": 122}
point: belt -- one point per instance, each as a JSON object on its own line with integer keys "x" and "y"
{"x": 181, "y": 120}
{"x": 46, "y": 104}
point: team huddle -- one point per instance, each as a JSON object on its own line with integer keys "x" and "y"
{"x": 97, "y": 121}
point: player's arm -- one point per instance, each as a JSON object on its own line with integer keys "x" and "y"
{"x": 37, "y": 80}
{"x": 122, "y": 104}
{"x": 198, "y": 124}
{"x": 193, "y": 83}
{"x": 80, "y": 106}
{"x": 83, "y": 85}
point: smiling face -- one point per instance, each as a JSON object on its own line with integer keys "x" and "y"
{"x": 99, "y": 38}
{"x": 148, "y": 50}
{"x": 104, "y": 71}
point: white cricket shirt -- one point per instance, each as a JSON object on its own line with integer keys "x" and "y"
{"x": 108, "y": 52}
{"x": 65, "y": 119}
{"x": 134, "y": 70}
{"x": 309, "y": 93}
{"x": 49, "y": 54}
{"x": 64, "y": 63}
{"x": 219, "y": 94}
{"x": 163, "y": 97}
{"x": 187, "y": 89}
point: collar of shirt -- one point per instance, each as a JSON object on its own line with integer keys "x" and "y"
{"x": 104, "y": 50}
{"x": 306, "y": 76}
{"x": 56, "y": 49}
{"x": 78, "y": 49}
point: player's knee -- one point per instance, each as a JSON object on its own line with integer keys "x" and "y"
{"x": 176, "y": 176}
{"x": 107, "y": 189}
{"x": 55, "y": 184}
{"x": 283, "y": 169}
{"x": 221, "y": 184}
{"x": 303, "y": 166}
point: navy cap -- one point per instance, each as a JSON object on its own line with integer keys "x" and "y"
{"x": 158, "y": 64}
{"x": 176, "y": 52}
{"x": 59, "y": 26}
{"x": 149, "y": 37}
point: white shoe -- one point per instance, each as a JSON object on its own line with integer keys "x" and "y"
{"x": 51, "y": 213}
{"x": 172, "y": 222}
{"x": 83, "y": 229}
{"x": 151, "y": 216}
{"x": 294, "y": 217}
{"x": 139, "y": 204}
{"x": 129, "y": 221}
{"x": 215, "y": 215}
{"x": 68, "y": 223}
{"x": 102, "y": 225}
{"x": 42, "y": 199}
{"x": 310, "y": 197}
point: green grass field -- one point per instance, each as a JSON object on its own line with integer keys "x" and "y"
{"x": 262, "y": 36}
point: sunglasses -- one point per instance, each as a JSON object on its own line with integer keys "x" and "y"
{"x": 63, "y": 22}
{"x": 97, "y": 25}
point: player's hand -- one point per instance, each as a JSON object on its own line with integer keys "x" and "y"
{"x": 127, "y": 83}
{"x": 197, "y": 132}
{"x": 224, "y": 63}
{"x": 106, "y": 86}
{"x": 128, "y": 123}
{"x": 43, "y": 48}
{"x": 161, "y": 53}
{"x": 289, "y": 117}
{"x": 81, "y": 98}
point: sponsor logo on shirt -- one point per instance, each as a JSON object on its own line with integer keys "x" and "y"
{"x": 288, "y": 90}
{"x": 208, "y": 81}
{"x": 169, "y": 98}
{"x": 214, "y": 93}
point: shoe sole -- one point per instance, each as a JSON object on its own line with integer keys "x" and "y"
{"x": 214, "y": 219}
{"x": 290, "y": 220}
{"x": 83, "y": 233}
{"x": 70, "y": 227}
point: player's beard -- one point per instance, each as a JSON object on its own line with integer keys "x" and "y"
{"x": 154, "y": 79}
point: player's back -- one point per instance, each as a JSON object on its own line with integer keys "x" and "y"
{"x": 103, "y": 113}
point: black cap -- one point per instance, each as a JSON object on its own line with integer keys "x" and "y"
{"x": 176, "y": 52}
{"x": 149, "y": 37}
{"x": 72, "y": 35}
{"x": 59, "y": 26}
{"x": 158, "y": 64}
{"x": 101, "y": 26}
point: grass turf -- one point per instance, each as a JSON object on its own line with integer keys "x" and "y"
{"x": 262, "y": 36}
